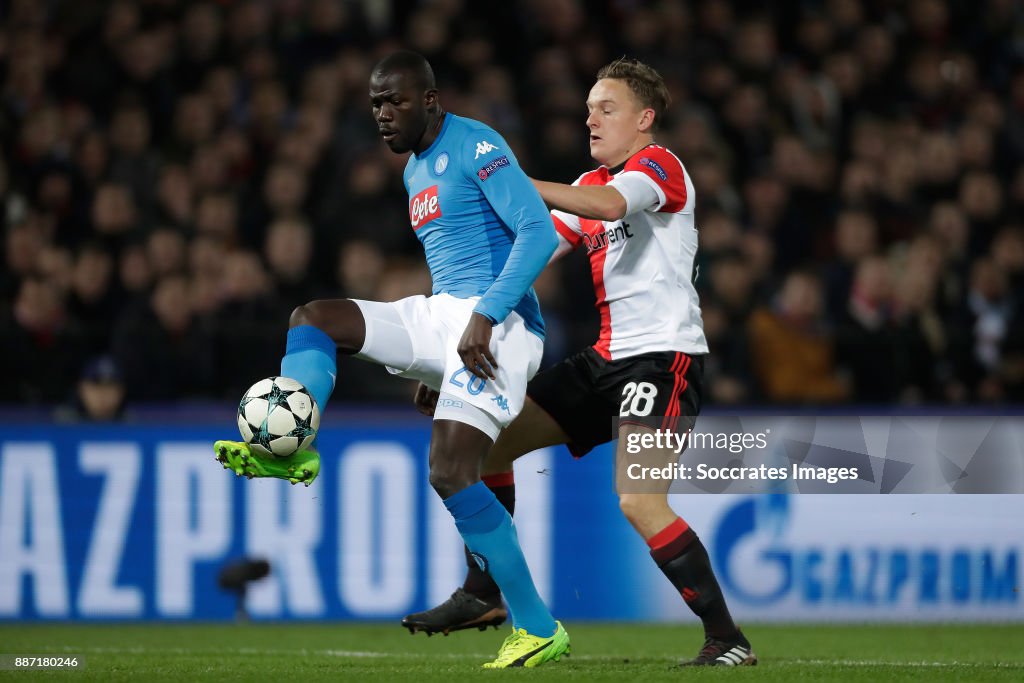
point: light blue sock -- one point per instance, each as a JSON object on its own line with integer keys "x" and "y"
{"x": 311, "y": 359}
{"x": 487, "y": 529}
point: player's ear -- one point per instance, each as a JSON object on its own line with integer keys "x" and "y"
{"x": 430, "y": 99}
{"x": 646, "y": 122}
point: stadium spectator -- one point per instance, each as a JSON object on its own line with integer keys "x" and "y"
{"x": 135, "y": 272}
{"x": 174, "y": 197}
{"x": 855, "y": 238}
{"x": 248, "y": 304}
{"x": 93, "y": 301}
{"x": 22, "y": 247}
{"x": 726, "y": 310}
{"x": 360, "y": 268}
{"x": 288, "y": 251}
{"x": 867, "y": 341}
{"x": 134, "y": 163}
{"x": 990, "y": 310}
{"x": 793, "y": 356}
{"x": 164, "y": 351}
{"x": 41, "y": 346}
{"x": 217, "y": 218}
{"x": 166, "y": 250}
{"x": 99, "y": 394}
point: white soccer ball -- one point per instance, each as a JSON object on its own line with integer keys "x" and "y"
{"x": 277, "y": 416}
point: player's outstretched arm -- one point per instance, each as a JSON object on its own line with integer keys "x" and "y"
{"x": 597, "y": 202}
{"x": 519, "y": 206}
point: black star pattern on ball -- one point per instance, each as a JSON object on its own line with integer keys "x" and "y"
{"x": 277, "y": 396}
{"x": 302, "y": 426}
{"x": 262, "y": 438}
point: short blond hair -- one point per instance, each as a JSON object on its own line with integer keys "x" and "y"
{"x": 644, "y": 81}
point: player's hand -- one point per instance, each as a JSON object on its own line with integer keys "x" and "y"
{"x": 475, "y": 347}
{"x": 426, "y": 399}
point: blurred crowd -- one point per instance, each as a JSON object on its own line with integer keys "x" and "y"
{"x": 178, "y": 175}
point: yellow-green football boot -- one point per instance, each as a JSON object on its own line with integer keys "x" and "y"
{"x": 523, "y": 649}
{"x": 238, "y": 456}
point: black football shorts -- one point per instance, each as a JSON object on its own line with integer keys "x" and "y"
{"x": 586, "y": 393}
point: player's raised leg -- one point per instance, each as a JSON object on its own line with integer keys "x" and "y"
{"x": 317, "y": 331}
{"x": 678, "y": 552}
{"x": 477, "y": 603}
{"x": 457, "y": 448}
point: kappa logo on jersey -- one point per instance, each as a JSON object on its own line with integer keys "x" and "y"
{"x": 424, "y": 208}
{"x": 654, "y": 166}
{"x": 601, "y": 240}
{"x": 484, "y": 148}
{"x": 491, "y": 168}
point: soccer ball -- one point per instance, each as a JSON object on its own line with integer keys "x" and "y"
{"x": 277, "y": 416}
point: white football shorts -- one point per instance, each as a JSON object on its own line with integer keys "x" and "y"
{"x": 418, "y": 337}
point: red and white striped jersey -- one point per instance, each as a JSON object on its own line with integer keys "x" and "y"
{"x": 643, "y": 264}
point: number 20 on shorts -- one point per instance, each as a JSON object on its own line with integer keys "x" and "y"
{"x": 475, "y": 384}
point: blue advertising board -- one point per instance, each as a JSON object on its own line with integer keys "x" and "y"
{"x": 135, "y": 522}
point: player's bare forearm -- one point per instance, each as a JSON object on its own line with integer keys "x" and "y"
{"x": 586, "y": 201}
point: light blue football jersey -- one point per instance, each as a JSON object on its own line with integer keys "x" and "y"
{"x": 484, "y": 228}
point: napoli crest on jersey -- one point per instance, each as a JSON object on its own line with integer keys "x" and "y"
{"x": 441, "y": 163}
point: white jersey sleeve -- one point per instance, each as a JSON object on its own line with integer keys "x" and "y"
{"x": 661, "y": 171}
{"x": 639, "y": 192}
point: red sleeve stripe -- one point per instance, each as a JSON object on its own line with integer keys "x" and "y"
{"x": 675, "y": 191}
{"x": 667, "y": 172}
{"x": 565, "y": 231}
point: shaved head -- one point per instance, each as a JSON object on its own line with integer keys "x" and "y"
{"x": 412, "y": 65}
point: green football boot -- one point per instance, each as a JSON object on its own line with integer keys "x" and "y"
{"x": 525, "y": 650}
{"x": 301, "y": 466}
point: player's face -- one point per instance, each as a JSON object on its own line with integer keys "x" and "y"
{"x": 399, "y": 110}
{"x": 616, "y": 121}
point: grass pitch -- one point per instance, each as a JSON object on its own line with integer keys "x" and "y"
{"x": 601, "y": 652}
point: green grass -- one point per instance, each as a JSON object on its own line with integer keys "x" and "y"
{"x": 602, "y": 652}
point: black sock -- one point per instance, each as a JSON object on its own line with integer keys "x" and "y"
{"x": 682, "y": 557}
{"x": 479, "y": 582}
